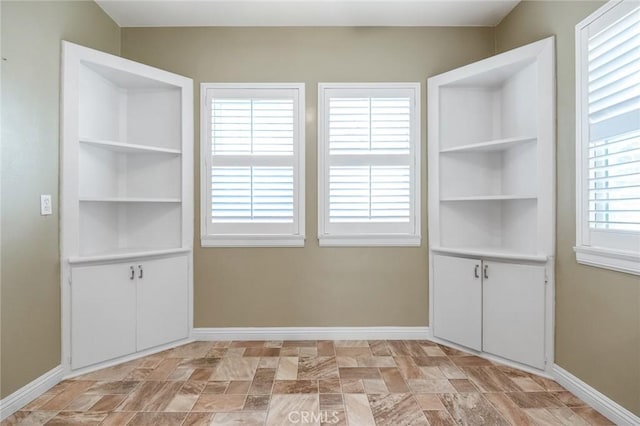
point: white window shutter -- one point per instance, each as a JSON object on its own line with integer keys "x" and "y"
{"x": 614, "y": 125}
{"x": 255, "y": 146}
{"x": 369, "y": 150}
{"x": 608, "y": 137}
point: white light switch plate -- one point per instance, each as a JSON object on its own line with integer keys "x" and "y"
{"x": 45, "y": 205}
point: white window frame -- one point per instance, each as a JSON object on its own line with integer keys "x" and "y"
{"x": 253, "y": 235}
{"x": 367, "y": 234}
{"x": 605, "y": 249}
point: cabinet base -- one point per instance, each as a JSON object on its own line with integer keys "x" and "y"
{"x": 70, "y": 373}
{"x": 547, "y": 373}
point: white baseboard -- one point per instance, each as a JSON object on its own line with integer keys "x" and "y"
{"x": 30, "y": 391}
{"x": 600, "y": 402}
{"x": 311, "y": 333}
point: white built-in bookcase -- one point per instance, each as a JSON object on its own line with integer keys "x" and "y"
{"x": 491, "y": 156}
{"x": 126, "y": 205}
{"x": 129, "y": 162}
{"x": 492, "y": 199}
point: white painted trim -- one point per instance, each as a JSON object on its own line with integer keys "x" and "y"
{"x": 600, "y": 402}
{"x": 311, "y": 333}
{"x": 370, "y": 240}
{"x": 620, "y": 261}
{"x": 30, "y": 391}
{"x": 256, "y": 240}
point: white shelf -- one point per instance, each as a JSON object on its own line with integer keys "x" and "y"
{"x": 128, "y": 147}
{"x": 129, "y": 200}
{"x": 491, "y": 252}
{"x": 491, "y": 198}
{"x": 126, "y": 253}
{"x": 493, "y": 145}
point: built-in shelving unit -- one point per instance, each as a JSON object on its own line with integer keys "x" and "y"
{"x": 127, "y": 207}
{"x": 491, "y": 204}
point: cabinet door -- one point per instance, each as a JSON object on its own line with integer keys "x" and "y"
{"x": 103, "y": 313}
{"x": 457, "y": 302}
{"x": 514, "y": 311}
{"x": 163, "y": 303}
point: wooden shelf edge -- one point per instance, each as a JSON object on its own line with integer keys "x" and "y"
{"x": 128, "y": 200}
{"x": 125, "y": 255}
{"x": 128, "y": 147}
{"x": 487, "y": 145}
{"x": 491, "y": 198}
{"x": 480, "y": 252}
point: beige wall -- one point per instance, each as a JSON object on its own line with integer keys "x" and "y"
{"x": 310, "y": 286}
{"x": 30, "y": 286}
{"x": 597, "y": 311}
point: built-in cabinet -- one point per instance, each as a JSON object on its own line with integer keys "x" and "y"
{"x": 130, "y": 306}
{"x": 127, "y": 206}
{"x": 491, "y": 204}
{"x": 491, "y": 306}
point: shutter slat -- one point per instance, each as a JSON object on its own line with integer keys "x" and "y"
{"x": 369, "y": 125}
{"x": 614, "y": 125}
{"x": 251, "y": 194}
{"x": 252, "y": 126}
{"x": 369, "y": 194}
{"x": 614, "y": 79}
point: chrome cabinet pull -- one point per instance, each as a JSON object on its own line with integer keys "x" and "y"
{"x": 475, "y": 271}
{"x": 486, "y": 271}
{"x": 132, "y": 273}
{"x": 141, "y": 273}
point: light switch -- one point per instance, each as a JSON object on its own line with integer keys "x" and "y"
{"x": 45, "y": 205}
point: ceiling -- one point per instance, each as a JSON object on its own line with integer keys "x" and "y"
{"x": 297, "y": 13}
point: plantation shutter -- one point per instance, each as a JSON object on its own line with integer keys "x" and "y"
{"x": 370, "y": 163}
{"x": 252, "y": 128}
{"x": 614, "y": 125}
{"x": 369, "y": 173}
{"x": 255, "y": 152}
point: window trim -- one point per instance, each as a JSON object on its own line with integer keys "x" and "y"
{"x": 373, "y": 239}
{"x": 296, "y": 239}
{"x": 603, "y": 257}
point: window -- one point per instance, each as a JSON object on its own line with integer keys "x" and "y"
{"x": 608, "y": 137}
{"x": 252, "y": 165}
{"x": 368, "y": 164}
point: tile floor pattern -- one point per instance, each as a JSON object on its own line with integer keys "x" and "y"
{"x": 308, "y": 382}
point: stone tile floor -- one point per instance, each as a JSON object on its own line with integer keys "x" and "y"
{"x": 308, "y": 382}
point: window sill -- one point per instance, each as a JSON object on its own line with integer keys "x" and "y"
{"x": 621, "y": 261}
{"x": 369, "y": 240}
{"x": 252, "y": 241}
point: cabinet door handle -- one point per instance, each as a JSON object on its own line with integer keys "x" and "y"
{"x": 486, "y": 271}
{"x": 475, "y": 271}
{"x": 141, "y": 273}
{"x": 132, "y": 274}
